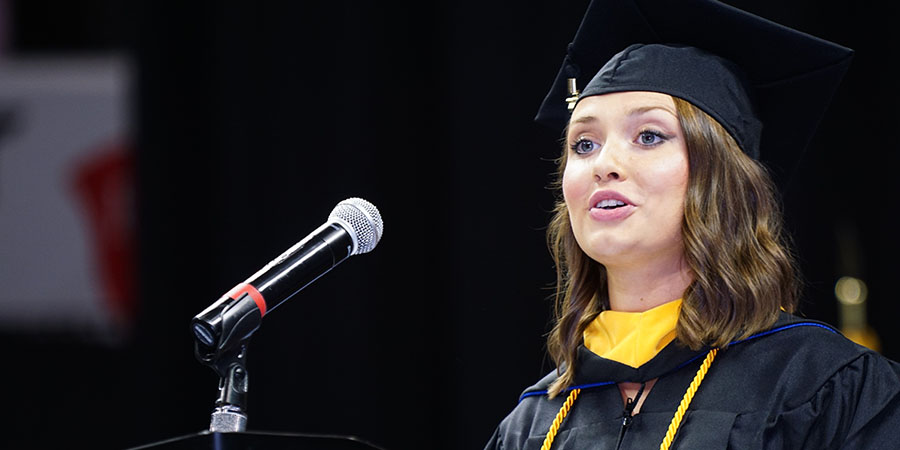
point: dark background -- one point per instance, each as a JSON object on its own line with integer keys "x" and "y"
{"x": 252, "y": 120}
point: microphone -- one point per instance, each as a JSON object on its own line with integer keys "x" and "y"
{"x": 352, "y": 228}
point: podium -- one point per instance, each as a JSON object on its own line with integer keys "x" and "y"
{"x": 207, "y": 440}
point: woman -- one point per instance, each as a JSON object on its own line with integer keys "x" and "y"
{"x": 675, "y": 283}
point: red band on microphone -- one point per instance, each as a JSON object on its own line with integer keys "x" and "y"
{"x": 244, "y": 288}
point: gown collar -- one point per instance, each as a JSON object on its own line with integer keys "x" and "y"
{"x": 633, "y": 338}
{"x": 595, "y": 371}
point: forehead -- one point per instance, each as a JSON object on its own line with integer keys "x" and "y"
{"x": 623, "y": 103}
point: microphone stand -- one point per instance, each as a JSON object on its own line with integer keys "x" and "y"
{"x": 222, "y": 333}
{"x": 228, "y": 415}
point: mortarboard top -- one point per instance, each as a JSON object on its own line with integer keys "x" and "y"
{"x": 788, "y": 77}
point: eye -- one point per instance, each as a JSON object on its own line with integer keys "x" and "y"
{"x": 583, "y": 145}
{"x": 651, "y": 138}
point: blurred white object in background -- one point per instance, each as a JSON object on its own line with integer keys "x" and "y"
{"x": 66, "y": 194}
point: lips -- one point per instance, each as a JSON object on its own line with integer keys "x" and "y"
{"x": 609, "y": 199}
{"x": 610, "y": 206}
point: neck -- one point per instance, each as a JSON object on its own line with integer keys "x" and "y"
{"x": 637, "y": 289}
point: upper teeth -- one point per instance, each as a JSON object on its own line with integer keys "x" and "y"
{"x": 610, "y": 203}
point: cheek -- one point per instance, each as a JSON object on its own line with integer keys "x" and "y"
{"x": 670, "y": 181}
{"x": 674, "y": 181}
{"x": 680, "y": 179}
{"x": 574, "y": 183}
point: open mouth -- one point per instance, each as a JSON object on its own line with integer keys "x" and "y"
{"x": 609, "y": 204}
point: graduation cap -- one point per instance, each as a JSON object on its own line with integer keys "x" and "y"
{"x": 767, "y": 84}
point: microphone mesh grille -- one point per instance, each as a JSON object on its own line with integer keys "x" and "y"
{"x": 364, "y": 219}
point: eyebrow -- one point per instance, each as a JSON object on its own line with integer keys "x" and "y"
{"x": 645, "y": 109}
{"x": 632, "y": 112}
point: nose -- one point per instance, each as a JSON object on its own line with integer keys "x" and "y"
{"x": 608, "y": 162}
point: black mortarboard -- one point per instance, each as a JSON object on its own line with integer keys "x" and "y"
{"x": 739, "y": 68}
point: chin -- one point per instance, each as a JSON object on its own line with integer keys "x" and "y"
{"x": 608, "y": 252}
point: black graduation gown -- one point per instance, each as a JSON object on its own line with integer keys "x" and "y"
{"x": 799, "y": 385}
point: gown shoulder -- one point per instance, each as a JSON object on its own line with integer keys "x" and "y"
{"x": 800, "y": 384}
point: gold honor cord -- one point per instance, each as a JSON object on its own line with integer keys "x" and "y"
{"x": 673, "y": 426}
{"x": 686, "y": 400}
{"x": 551, "y": 433}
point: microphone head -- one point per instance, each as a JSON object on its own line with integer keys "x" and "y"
{"x": 362, "y": 220}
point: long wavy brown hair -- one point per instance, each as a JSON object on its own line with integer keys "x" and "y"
{"x": 744, "y": 272}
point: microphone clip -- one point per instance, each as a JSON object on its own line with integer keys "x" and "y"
{"x": 221, "y": 336}
{"x": 227, "y": 324}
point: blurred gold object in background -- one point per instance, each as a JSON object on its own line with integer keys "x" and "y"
{"x": 851, "y": 294}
